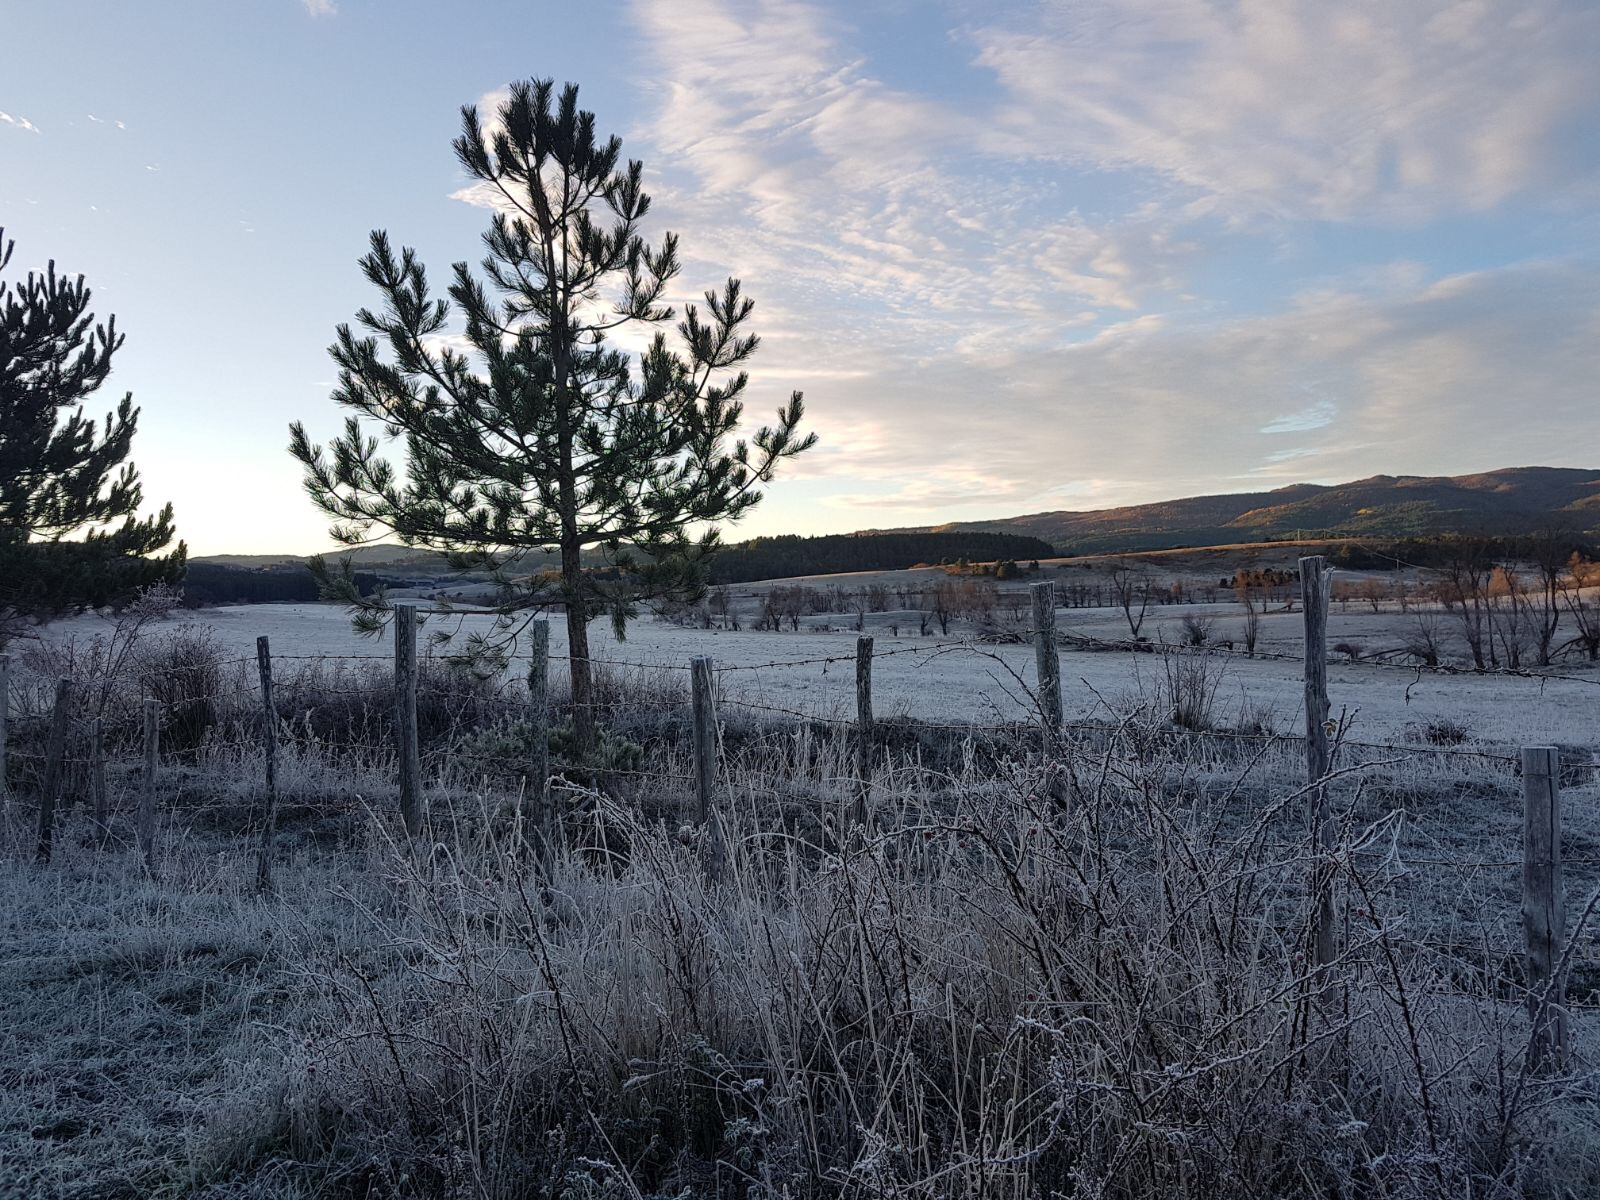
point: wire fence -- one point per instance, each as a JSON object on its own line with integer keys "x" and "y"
{"x": 502, "y": 681}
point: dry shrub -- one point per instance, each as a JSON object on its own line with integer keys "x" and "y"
{"x": 1197, "y": 629}
{"x": 183, "y": 671}
{"x": 1188, "y": 689}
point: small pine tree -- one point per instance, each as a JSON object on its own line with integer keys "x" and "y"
{"x": 62, "y": 473}
{"x": 543, "y": 438}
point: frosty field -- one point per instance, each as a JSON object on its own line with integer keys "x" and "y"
{"x": 953, "y": 679}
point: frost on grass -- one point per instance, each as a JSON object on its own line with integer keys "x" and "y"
{"x": 991, "y": 995}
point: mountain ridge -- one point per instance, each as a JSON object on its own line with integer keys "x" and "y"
{"x": 1508, "y": 500}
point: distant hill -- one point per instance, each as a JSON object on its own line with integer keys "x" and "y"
{"x": 739, "y": 562}
{"x": 1514, "y": 500}
{"x": 837, "y": 553}
{"x": 384, "y": 555}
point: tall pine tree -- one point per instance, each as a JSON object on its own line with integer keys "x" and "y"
{"x": 544, "y": 437}
{"x": 63, "y": 473}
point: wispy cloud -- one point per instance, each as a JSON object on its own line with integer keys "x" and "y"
{"x": 320, "y": 8}
{"x": 1301, "y": 108}
{"x": 18, "y": 122}
{"x": 1419, "y": 379}
{"x": 973, "y": 339}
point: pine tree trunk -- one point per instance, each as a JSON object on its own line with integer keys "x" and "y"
{"x": 578, "y": 657}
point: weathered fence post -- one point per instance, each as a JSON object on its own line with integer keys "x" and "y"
{"x": 55, "y": 750}
{"x": 1544, "y": 905}
{"x": 97, "y": 781}
{"x": 861, "y": 816}
{"x": 146, "y": 824}
{"x": 1047, "y": 658}
{"x": 269, "y": 743}
{"x": 5, "y": 716}
{"x": 405, "y": 716}
{"x": 539, "y": 721}
{"x": 1314, "y": 591}
{"x": 705, "y": 766}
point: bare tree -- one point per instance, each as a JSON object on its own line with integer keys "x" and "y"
{"x": 1252, "y": 612}
{"x": 1548, "y": 552}
{"x": 1510, "y": 615}
{"x": 1371, "y": 591}
{"x": 1132, "y": 590}
{"x": 1585, "y": 612}
{"x": 860, "y": 604}
{"x": 942, "y": 603}
{"x": 1465, "y": 591}
{"x": 719, "y": 602}
{"x": 1424, "y": 638}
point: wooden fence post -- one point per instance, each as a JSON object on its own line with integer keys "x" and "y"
{"x": 146, "y": 824}
{"x": 269, "y": 743}
{"x": 55, "y": 750}
{"x": 1544, "y": 905}
{"x": 1314, "y": 591}
{"x": 97, "y": 781}
{"x": 861, "y": 816}
{"x": 5, "y": 716}
{"x": 539, "y": 720}
{"x": 405, "y": 716}
{"x": 1047, "y": 658}
{"x": 705, "y": 766}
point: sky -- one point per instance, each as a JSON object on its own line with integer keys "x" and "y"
{"x": 1018, "y": 256}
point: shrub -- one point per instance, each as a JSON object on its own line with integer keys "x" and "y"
{"x": 505, "y": 750}
{"x": 1440, "y": 731}
{"x": 182, "y": 671}
{"x": 1189, "y": 689}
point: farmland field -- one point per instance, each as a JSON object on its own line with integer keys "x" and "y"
{"x": 953, "y": 678}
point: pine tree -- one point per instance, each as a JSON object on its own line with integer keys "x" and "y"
{"x": 543, "y": 437}
{"x": 62, "y": 473}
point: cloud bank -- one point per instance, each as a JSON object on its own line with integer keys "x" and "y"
{"x": 1039, "y": 282}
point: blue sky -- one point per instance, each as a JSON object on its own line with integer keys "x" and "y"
{"x": 1018, "y": 256}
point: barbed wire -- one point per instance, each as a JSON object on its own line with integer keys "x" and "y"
{"x": 981, "y": 643}
{"x": 973, "y": 728}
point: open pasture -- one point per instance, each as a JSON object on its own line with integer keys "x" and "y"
{"x": 960, "y": 678}
{"x": 1029, "y": 972}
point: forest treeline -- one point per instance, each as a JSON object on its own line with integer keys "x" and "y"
{"x": 206, "y": 584}
{"x": 1441, "y": 550}
{"x": 830, "y": 554}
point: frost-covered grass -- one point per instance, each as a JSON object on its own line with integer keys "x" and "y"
{"x": 991, "y": 994}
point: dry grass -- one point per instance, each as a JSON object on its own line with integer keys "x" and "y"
{"x": 989, "y": 996}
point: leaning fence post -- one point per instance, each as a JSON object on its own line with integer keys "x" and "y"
{"x": 1314, "y": 590}
{"x": 269, "y": 742}
{"x": 55, "y": 750}
{"x": 705, "y": 765}
{"x": 146, "y": 824}
{"x": 1543, "y": 905}
{"x": 405, "y": 716}
{"x": 539, "y": 718}
{"x": 97, "y": 780}
{"x": 860, "y": 817}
